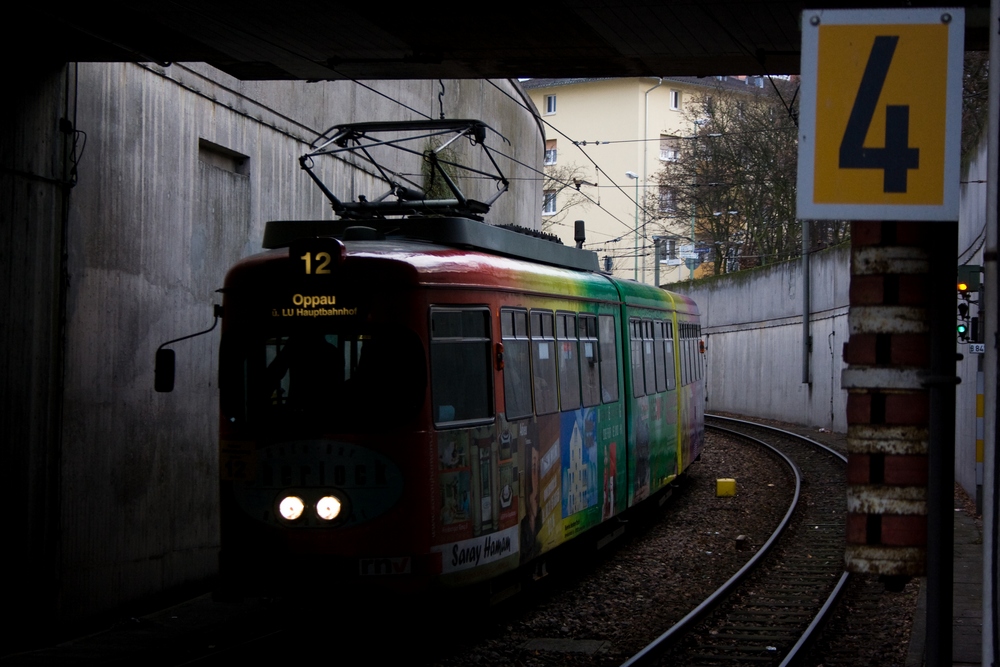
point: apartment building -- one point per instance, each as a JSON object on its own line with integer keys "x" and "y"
{"x": 605, "y": 140}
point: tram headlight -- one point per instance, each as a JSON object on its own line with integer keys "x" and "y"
{"x": 291, "y": 507}
{"x": 328, "y": 508}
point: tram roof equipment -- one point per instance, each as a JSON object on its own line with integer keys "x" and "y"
{"x": 412, "y": 211}
{"x": 408, "y": 197}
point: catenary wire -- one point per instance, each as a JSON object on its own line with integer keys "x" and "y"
{"x": 614, "y": 184}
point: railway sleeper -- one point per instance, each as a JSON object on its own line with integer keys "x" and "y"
{"x": 744, "y": 654}
{"x": 746, "y": 615}
{"x": 763, "y": 638}
{"x": 728, "y": 659}
{"x": 752, "y": 628}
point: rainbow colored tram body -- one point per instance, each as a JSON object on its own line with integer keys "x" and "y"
{"x": 402, "y": 407}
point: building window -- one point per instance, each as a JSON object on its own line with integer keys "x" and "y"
{"x": 550, "y": 104}
{"x": 668, "y": 199}
{"x": 675, "y": 100}
{"x": 666, "y": 250}
{"x": 550, "y": 151}
{"x": 670, "y": 148}
{"x": 549, "y": 202}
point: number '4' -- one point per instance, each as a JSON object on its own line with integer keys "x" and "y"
{"x": 896, "y": 157}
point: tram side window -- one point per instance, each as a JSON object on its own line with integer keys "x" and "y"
{"x": 694, "y": 352}
{"x": 688, "y": 379}
{"x": 589, "y": 367}
{"x": 685, "y": 376}
{"x": 699, "y": 358}
{"x": 668, "y": 347}
{"x": 609, "y": 358}
{"x": 680, "y": 354}
{"x": 569, "y": 364}
{"x": 460, "y": 365}
{"x": 693, "y": 341}
{"x": 648, "y": 357}
{"x": 659, "y": 327}
{"x": 543, "y": 362}
{"x": 516, "y": 366}
{"x": 635, "y": 340}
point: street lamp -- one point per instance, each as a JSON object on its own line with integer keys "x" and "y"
{"x": 635, "y": 177}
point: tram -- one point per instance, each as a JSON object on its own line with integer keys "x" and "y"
{"x": 428, "y": 400}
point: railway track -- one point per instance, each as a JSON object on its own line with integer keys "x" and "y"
{"x": 613, "y": 604}
{"x": 767, "y": 612}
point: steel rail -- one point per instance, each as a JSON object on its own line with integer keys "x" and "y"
{"x": 817, "y": 622}
{"x": 651, "y": 654}
{"x": 831, "y": 601}
{"x": 814, "y": 443}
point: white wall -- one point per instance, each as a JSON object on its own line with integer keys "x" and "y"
{"x": 752, "y": 326}
{"x": 971, "y": 236}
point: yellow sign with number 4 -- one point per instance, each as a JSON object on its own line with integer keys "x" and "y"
{"x": 880, "y": 114}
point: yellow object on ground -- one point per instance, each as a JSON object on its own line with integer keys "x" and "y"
{"x": 725, "y": 487}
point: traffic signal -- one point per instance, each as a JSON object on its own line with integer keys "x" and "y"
{"x": 968, "y": 279}
{"x": 968, "y": 293}
{"x": 963, "y": 313}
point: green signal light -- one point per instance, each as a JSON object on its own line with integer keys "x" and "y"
{"x": 962, "y": 328}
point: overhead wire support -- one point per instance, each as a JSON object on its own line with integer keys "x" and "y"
{"x": 567, "y": 184}
{"x": 358, "y": 140}
{"x": 585, "y": 154}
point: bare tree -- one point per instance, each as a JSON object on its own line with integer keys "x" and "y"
{"x": 562, "y": 184}
{"x": 975, "y": 98}
{"x": 733, "y": 179}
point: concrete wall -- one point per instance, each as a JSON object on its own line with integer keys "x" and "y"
{"x": 752, "y": 326}
{"x": 181, "y": 169}
{"x": 33, "y": 194}
{"x": 971, "y": 236}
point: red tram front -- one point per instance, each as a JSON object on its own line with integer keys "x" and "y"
{"x": 323, "y": 379}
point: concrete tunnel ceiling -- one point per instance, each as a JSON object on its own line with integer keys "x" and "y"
{"x": 308, "y": 39}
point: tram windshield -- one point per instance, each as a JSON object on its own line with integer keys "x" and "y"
{"x": 322, "y": 380}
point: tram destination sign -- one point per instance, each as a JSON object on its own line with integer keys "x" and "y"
{"x": 880, "y": 115}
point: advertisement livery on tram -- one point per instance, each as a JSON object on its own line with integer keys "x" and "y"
{"x": 400, "y": 403}
{"x": 410, "y": 397}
